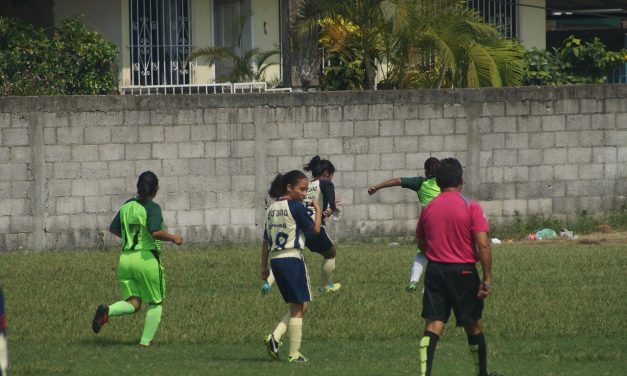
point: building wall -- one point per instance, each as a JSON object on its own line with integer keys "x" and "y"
{"x": 532, "y": 23}
{"x": 68, "y": 163}
{"x": 266, "y": 32}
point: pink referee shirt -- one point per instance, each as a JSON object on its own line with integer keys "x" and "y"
{"x": 448, "y": 225}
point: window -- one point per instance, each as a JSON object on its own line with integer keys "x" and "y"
{"x": 160, "y": 40}
{"x": 501, "y": 13}
{"x": 232, "y": 29}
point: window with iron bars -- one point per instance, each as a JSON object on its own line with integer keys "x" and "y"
{"x": 160, "y": 39}
{"x": 500, "y": 13}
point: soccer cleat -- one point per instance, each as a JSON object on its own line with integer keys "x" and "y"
{"x": 265, "y": 288}
{"x": 272, "y": 346}
{"x": 100, "y": 318}
{"x": 297, "y": 359}
{"x": 331, "y": 287}
{"x": 411, "y": 287}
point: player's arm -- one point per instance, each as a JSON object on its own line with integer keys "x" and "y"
{"x": 394, "y": 182}
{"x": 318, "y": 219}
{"x": 265, "y": 251}
{"x": 165, "y": 236}
{"x": 485, "y": 258}
{"x": 328, "y": 199}
{"x": 116, "y": 226}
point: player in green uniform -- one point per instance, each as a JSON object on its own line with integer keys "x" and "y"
{"x": 140, "y": 225}
{"x": 427, "y": 189}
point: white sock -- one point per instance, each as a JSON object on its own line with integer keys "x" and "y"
{"x": 270, "y": 279}
{"x": 417, "y": 267}
{"x": 327, "y": 267}
{"x": 281, "y": 328}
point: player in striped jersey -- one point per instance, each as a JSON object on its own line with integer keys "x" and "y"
{"x": 287, "y": 222}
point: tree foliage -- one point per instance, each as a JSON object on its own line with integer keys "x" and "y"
{"x": 74, "y": 61}
{"x": 576, "y": 62}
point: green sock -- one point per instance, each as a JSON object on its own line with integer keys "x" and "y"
{"x": 151, "y": 323}
{"x": 121, "y": 308}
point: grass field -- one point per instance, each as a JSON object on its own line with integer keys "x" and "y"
{"x": 556, "y": 309}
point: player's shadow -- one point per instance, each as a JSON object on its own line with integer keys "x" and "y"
{"x": 107, "y": 342}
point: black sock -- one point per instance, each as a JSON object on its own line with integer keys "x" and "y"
{"x": 427, "y": 347}
{"x": 479, "y": 353}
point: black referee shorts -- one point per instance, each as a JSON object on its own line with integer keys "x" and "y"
{"x": 452, "y": 286}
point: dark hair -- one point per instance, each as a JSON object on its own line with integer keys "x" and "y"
{"x": 318, "y": 166}
{"x": 147, "y": 185}
{"x": 431, "y": 167}
{"x": 449, "y": 173}
{"x": 279, "y": 185}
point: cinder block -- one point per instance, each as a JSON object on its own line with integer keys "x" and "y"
{"x": 20, "y": 120}
{"x": 542, "y": 108}
{"x": 191, "y": 149}
{"x": 55, "y": 153}
{"x": 84, "y": 187}
{"x": 578, "y": 122}
{"x": 511, "y": 207}
{"x": 99, "y": 204}
{"x": 485, "y": 158}
{"x": 542, "y": 140}
{"x": 161, "y": 117}
{"x": 493, "y": 141}
{"x": 343, "y": 162}
{"x": 290, "y": 130}
{"x": 115, "y": 186}
{"x": 542, "y": 206}
{"x": 413, "y": 144}
{"x": 20, "y": 154}
{"x": 566, "y": 139}
{"x": 330, "y": 146}
{"x": 84, "y": 221}
{"x": 341, "y": 129}
{"x": 391, "y": 161}
{"x": 316, "y": 130}
{"x": 366, "y": 128}
{"x": 154, "y": 165}
{"x": 515, "y": 174}
{"x": 492, "y": 208}
{"x": 136, "y": 117}
{"x": 461, "y": 126}
{"x": 615, "y": 138}
{"x": 381, "y": 145}
{"x": 57, "y": 188}
{"x": 504, "y": 124}
{"x": 66, "y": 170}
{"x": 111, "y": 152}
{"x": 243, "y": 216}
{"x": 189, "y": 117}
{"x": 517, "y": 108}
{"x": 305, "y": 147}
{"x": 122, "y": 169}
{"x": 555, "y": 156}
{"x": 355, "y": 179}
{"x": 529, "y": 123}
{"x": 381, "y": 111}
{"x": 97, "y": 135}
{"x": 380, "y": 212}
{"x": 453, "y": 110}
{"x": 69, "y": 205}
{"x": 622, "y": 153}
{"x": 589, "y": 106}
{"x": 554, "y": 123}
{"x": 505, "y": 157}
{"x": 579, "y": 155}
{"x": 614, "y": 105}
{"x": 279, "y": 147}
{"x": 137, "y": 151}
{"x": 417, "y": 127}
{"x": 190, "y": 218}
{"x": 591, "y": 171}
{"x": 355, "y": 145}
{"x": 165, "y": 151}
{"x": 220, "y": 216}
{"x": 429, "y": 111}
{"x": 405, "y": 111}
{"x": 541, "y": 173}
{"x": 392, "y": 127}
{"x": 177, "y": 133}
{"x": 442, "y": 126}
{"x": 205, "y": 132}
{"x": 367, "y": 161}
{"x": 84, "y": 153}
{"x": 169, "y": 184}
{"x": 14, "y": 207}
{"x": 20, "y": 224}
{"x": 176, "y": 167}
{"x": 610, "y": 171}
{"x": 592, "y": 138}
{"x": 492, "y": 175}
{"x": 604, "y": 154}
{"x": 5, "y": 189}
{"x": 604, "y": 121}
{"x": 455, "y": 143}
{"x": 15, "y": 137}
{"x": 69, "y": 135}
{"x": 57, "y": 223}
{"x": 203, "y": 200}
{"x": 567, "y": 106}
{"x": 413, "y": 161}
{"x": 151, "y": 134}
{"x": 566, "y": 172}
{"x": 355, "y": 112}
{"x": 241, "y": 183}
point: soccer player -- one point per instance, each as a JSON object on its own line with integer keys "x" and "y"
{"x": 140, "y": 225}
{"x": 321, "y": 190}
{"x": 4, "y": 352}
{"x": 427, "y": 189}
{"x": 287, "y": 222}
{"x": 453, "y": 233}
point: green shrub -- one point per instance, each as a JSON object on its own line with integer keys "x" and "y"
{"x": 74, "y": 61}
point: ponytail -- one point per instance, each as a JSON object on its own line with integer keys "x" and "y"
{"x": 278, "y": 187}
{"x": 147, "y": 185}
{"x": 318, "y": 166}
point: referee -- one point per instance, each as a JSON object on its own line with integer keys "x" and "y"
{"x": 453, "y": 233}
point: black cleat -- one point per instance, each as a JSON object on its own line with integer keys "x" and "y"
{"x": 100, "y": 318}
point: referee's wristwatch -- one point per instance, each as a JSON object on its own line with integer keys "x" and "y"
{"x": 486, "y": 285}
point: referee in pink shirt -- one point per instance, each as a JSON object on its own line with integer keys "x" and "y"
{"x": 453, "y": 234}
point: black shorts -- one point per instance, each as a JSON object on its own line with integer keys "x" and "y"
{"x": 319, "y": 243}
{"x": 452, "y": 286}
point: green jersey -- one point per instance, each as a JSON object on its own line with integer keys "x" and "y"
{"x": 135, "y": 222}
{"x": 426, "y": 188}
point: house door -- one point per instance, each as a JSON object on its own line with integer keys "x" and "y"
{"x": 160, "y": 40}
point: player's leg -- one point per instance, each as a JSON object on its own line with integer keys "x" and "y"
{"x": 151, "y": 279}
{"x": 267, "y": 285}
{"x": 416, "y": 270}
{"x": 477, "y": 347}
{"x": 151, "y": 323}
{"x": 297, "y": 312}
{"x": 327, "y": 271}
{"x": 4, "y": 352}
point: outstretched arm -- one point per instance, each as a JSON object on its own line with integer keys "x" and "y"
{"x": 394, "y": 182}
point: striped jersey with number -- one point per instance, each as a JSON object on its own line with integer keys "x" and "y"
{"x": 319, "y": 190}
{"x": 135, "y": 222}
{"x": 286, "y": 224}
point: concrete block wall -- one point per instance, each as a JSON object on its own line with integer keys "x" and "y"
{"x": 68, "y": 163}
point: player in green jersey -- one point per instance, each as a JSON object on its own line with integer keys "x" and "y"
{"x": 140, "y": 225}
{"x": 427, "y": 189}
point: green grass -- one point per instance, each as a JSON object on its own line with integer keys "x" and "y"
{"x": 557, "y": 309}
